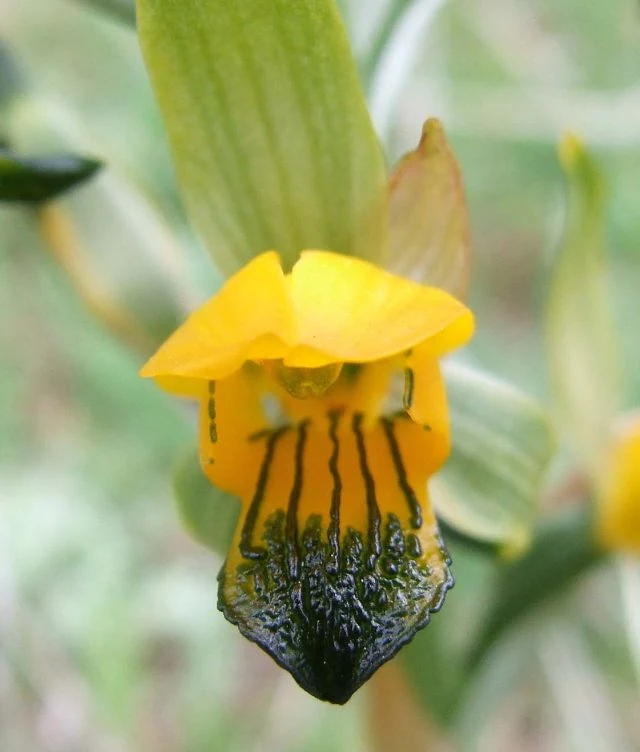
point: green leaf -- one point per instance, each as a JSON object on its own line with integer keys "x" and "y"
{"x": 580, "y": 334}
{"x": 272, "y": 141}
{"x": 502, "y": 443}
{"x": 37, "y": 179}
{"x": 209, "y": 514}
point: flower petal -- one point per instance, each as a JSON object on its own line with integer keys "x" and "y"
{"x": 425, "y": 399}
{"x": 337, "y": 561}
{"x": 618, "y": 518}
{"x": 355, "y": 312}
{"x": 428, "y": 224}
{"x": 251, "y": 317}
{"x": 232, "y": 415}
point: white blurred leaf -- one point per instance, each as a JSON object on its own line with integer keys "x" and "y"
{"x": 579, "y": 691}
{"x": 394, "y": 55}
{"x": 629, "y": 570}
{"x": 490, "y": 486}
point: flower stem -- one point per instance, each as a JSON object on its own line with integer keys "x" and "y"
{"x": 398, "y": 721}
{"x": 60, "y": 238}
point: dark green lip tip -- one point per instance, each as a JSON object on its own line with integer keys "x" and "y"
{"x": 331, "y": 622}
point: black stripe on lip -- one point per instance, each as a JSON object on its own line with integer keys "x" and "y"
{"x": 407, "y": 392}
{"x": 370, "y": 489}
{"x": 211, "y": 407}
{"x": 396, "y": 455}
{"x": 248, "y": 550}
{"x": 333, "y": 532}
{"x": 291, "y": 529}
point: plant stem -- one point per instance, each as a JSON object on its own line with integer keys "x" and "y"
{"x": 61, "y": 239}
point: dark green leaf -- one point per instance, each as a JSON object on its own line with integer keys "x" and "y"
{"x": 33, "y": 180}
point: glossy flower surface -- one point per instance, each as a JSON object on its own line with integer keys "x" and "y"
{"x": 337, "y": 560}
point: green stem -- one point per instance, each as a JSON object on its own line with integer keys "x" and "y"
{"x": 122, "y": 10}
{"x": 563, "y": 550}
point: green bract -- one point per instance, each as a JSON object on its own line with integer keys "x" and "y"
{"x": 271, "y": 137}
{"x": 580, "y": 336}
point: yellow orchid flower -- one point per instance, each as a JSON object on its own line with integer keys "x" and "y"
{"x": 618, "y": 506}
{"x": 337, "y": 559}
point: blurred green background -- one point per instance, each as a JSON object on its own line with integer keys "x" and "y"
{"x": 109, "y": 636}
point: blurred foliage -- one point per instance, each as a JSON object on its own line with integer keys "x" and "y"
{"x": 109, "y": 637}
{"x": 581, "y": 340}
{"x": 34, "y": 180}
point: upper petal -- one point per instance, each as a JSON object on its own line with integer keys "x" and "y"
{"x": 250, "y": 318}
{"x": 356, "y": 312}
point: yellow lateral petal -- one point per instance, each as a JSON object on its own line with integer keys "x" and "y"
{"x": 250, "y": 317}
{"x": 355, "y": 312}
{"x": 425, "y": 399}
{"x": 618, "y": 524}
{"x": 231, "y": 415}
{"x": 429, "y": 229}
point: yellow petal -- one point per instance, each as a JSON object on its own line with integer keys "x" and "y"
{"x": 429, "y": 234}
{"x": 251, "y": 317}
{"x": 355, "y": 312}
{"x": 618, "y": 523}
{"x": 232, "y": 415}
{"x": 425, "y": 400}
{"x": 337, "y": 561}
